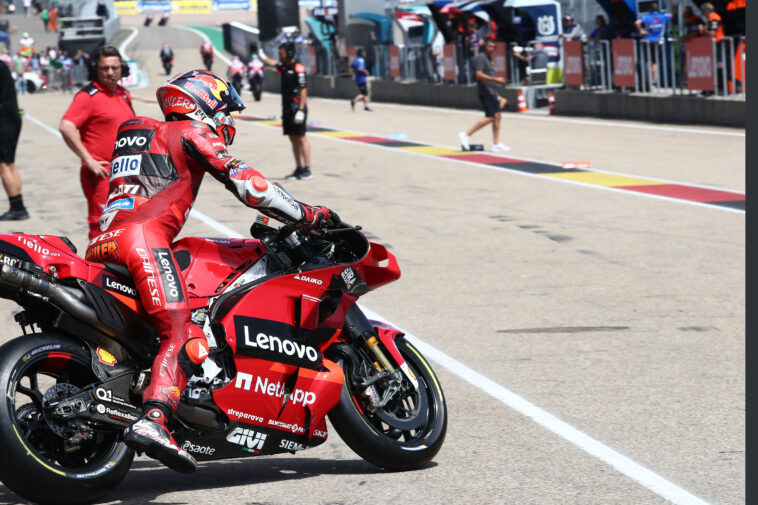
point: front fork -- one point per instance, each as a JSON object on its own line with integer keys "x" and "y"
{"x": 390, "y": 370}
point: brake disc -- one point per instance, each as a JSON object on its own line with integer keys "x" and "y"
{"x": 52, "y": 396}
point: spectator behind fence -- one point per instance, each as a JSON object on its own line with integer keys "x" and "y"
{"x": 655, "y": 25}
{"x": 603, "y": 30}
{"x": 90, "y": 124}
{"x": 572, "y": 30}
{"x": 538, "y": 59}
{"x": 358, "y": 67}
{"x": 694, "y": 26}
{"x": 10, "y": 129}
{"x": 487, "y": 84}
{"x": 714, "y": 25}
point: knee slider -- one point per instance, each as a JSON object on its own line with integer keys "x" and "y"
{"x": 191, "y": 356}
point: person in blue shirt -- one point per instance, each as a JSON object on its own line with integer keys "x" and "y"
{"x": 358, "y": 66}
{"x": 654, "y": 25}
{"x": 654, "y": 28}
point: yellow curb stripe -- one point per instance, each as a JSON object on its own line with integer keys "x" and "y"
{"x": 601, "y": 179}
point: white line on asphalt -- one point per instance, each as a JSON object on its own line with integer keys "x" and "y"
{"x": 43, "y": 125}
{"x": 122, "y": 47}
{"x": 626, "y": 466}
{"x": 528, "y": 116}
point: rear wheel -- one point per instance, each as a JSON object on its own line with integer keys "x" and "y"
{"x": 47, "y": 459}
{"x": 404, "y": 434}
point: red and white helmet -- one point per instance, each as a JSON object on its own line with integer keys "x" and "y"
{"x": 204, "y": 96}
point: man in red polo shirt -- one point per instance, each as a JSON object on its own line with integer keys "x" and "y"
{"x": 90, "y": 124}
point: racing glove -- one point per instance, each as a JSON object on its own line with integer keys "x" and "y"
{"x": 314, "y": 216}
{"x": 299, "y": 116}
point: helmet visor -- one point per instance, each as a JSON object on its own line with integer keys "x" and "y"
{"x": 232, "y": 99}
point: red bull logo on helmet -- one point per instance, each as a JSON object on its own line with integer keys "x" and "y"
{"x": 202, "y": 95}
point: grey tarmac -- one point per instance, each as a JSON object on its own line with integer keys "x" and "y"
{"x": 619, "y": 314}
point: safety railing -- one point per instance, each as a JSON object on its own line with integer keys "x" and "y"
{"x": 669, "y": 66}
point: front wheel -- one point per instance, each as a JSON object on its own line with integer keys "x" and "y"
{"x": 404, "y": 434}
{"x": 46, "y": 458}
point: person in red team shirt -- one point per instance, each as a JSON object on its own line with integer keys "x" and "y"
{"x": 155, "y": 175}
{"x": 90, "y": 123}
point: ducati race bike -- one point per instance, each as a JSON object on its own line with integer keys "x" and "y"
{"x": 289, "y": 346}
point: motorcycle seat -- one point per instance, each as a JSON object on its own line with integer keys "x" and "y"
{"x": 118, "y": 270}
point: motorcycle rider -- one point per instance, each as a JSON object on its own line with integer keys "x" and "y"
{"x": 167, "y": 56}
{"x": 255, "y": 74}
{"x": 235, "y": 72}
{"x": 206, "y": 51}
{"x": 154, "y": 180}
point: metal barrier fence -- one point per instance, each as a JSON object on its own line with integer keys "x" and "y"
{"x": 650, "y": 67}
{"x": 661, "y": 67}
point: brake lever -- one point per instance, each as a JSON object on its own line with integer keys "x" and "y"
{"x": 332, "y": 231}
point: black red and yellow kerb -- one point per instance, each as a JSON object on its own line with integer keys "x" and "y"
{"x": 709, "y": 196}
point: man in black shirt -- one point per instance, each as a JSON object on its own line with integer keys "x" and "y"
{"x": 294, "y": 91}
{"x": 10, "y": 129}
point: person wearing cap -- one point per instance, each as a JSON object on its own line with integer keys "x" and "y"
{"x": 572, "y": 30}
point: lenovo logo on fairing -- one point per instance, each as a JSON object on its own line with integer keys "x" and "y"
{"x": 131, "y": 141}
{"x": 276, "y": 344}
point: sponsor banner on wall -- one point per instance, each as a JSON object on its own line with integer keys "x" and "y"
{"x": 154, "y": 6}
{"x": 623, "y": 63}
{"x": 230, "y": 5}
{"x": 501, "y": 70}
{"x": 395, "y": 62}
{"x": 126, "y": 8}
{"x": 700, "y": 64}
{"x": 191, "y": 6}
{"x": 448, "y": 62}
{"x": 573, "y": 66}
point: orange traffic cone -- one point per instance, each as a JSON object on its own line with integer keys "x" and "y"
{"x": 551, "y": 102}
{"x": 522, "y": 103}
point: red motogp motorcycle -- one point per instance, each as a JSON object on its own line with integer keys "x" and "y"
{"x": 288, "y": 347}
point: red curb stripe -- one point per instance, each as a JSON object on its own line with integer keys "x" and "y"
{"x": 690, "y": 193}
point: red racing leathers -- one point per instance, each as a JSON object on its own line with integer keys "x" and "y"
{"x": 155, "y": 175}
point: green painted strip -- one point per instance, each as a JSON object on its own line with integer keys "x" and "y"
{"x": 215, "y": 35}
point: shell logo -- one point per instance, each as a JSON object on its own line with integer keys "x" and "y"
{"x": 106, "y": 357}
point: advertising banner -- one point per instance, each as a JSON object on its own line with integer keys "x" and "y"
{"x": 192, "y": 6}
{"x": 126, "y": 8}
{"x": 230, "y": 5}
{"x": 623, "y": 63}
{"x": 154, "y": 6}
{"x": 395, "y": 62}
{"x": 573, "y": 70}
{"x": 312, "y": 60}
{"x": 501, "y": 69}
{"x": 700, "y": 64}
{"x": 448, "y": 62}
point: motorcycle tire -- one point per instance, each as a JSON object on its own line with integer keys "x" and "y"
{"x": 38, "y": 463}
{"x": 257, "y": 92}
{"x": 406, "y": 433}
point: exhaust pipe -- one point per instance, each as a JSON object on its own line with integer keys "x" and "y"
{"x": 66, "y": 299}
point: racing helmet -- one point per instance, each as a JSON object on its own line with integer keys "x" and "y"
{"x": 204, "y": 96}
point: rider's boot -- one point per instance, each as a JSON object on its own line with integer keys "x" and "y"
{"x": 150, "y": 435}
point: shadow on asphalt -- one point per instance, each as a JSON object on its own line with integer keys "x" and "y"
{"x": 148, "y": 480}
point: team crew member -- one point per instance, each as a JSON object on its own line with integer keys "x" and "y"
{"x": 294, "y": 106}
{"x": 157, "y": 171}
{"x": 90, "y": 124}
{"x": 10, "y": 129}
